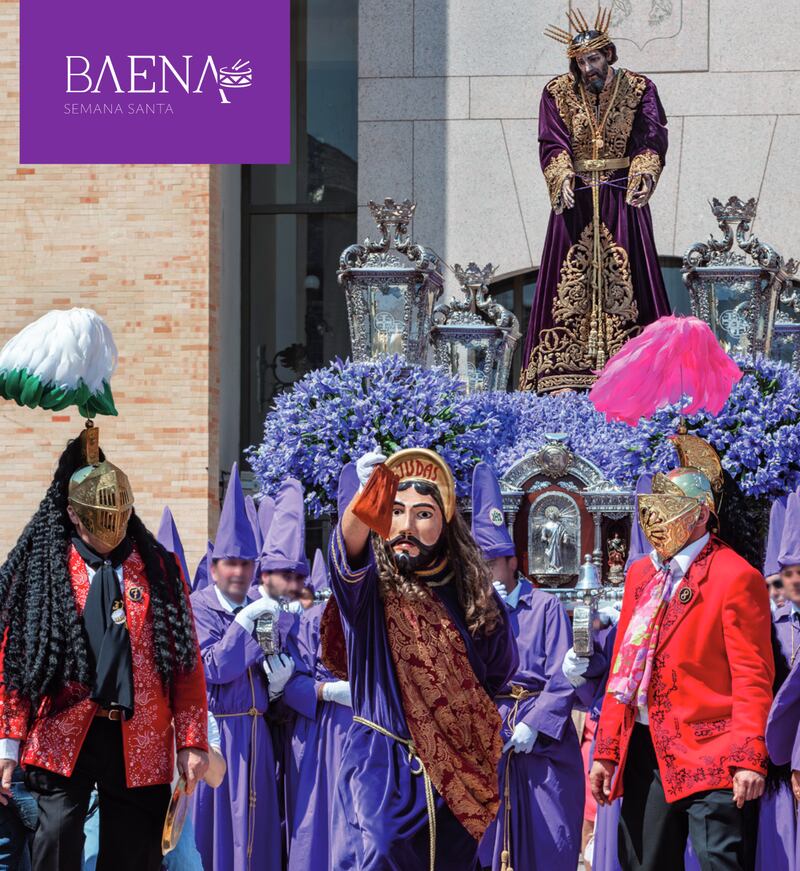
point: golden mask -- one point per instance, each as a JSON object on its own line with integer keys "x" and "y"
{"x": 670, "y": 513}
{"x": 102, "y": 497}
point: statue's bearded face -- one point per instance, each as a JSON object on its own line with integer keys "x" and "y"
{"x": 594, "y": 69}
{"x": 417, "y": 532}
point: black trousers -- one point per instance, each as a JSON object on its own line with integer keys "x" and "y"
{"x": 131, "y": 819}
{"x": 653, "y": 832}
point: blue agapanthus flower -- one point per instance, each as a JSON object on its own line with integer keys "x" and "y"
{"x": 335, "y": 414}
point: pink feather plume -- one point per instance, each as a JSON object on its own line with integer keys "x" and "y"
{"x": 672, "y": 357}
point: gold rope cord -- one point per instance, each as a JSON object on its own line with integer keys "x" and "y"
{"x": 412, "y": 755}
{"x": 518, "y": 694}
{"x": 597, "y": 339}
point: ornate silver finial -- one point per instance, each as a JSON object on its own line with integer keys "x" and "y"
{"x": 392, "y": 219}
{"x": 390, "y": 212}
{"x": 477, "y": 307}
{"x": 735, "y": 209}
{"x": 474, "y": 275}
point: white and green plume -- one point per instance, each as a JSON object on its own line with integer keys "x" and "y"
{"x": 65, "y": 358}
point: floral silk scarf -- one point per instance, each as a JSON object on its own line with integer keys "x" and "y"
{"x": 630, "y": 675}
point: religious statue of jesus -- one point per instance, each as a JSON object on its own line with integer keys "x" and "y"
{"x": 602, "y": 145}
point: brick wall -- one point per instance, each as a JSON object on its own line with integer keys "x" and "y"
{"x": 136, "y": 244}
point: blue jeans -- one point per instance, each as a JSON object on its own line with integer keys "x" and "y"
{"x": 17, "y": 822}
{"x": 91, "y": 832}
{"x": 185, "y": 856}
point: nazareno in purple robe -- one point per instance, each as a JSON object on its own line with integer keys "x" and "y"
{"x": 380, "y": 817}
{"x": 319, "y": 737}
{"x": 546, "y": 786}
{"x": 556, "y": 354}
{"x": 778, "y": 848}
{"x": 231, "y": 833}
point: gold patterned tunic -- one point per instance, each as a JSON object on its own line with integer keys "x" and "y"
{"x": 599, "y": 280}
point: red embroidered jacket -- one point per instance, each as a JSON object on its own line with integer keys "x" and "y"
{"x": 711, "y": 686}
{"x": 53, "y": 738}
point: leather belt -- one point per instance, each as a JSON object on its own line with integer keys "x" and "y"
{"x": 601, "y": 164}
{"x": 115, "y": 714}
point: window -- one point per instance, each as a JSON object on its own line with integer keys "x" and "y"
{"x": 297, "y": 219}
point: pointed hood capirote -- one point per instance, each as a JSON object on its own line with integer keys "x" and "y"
{"x": 235, "y": 538}
{"x": 252, "y": 516}
{"x": 285, "y": 544}
{"x": 777, "y": 515}
{"x": 348, "y": 487}
{"x": 790, "y": 536}
{"x": 320, "y": 579}
{"x": 266, "y": 511}
{"x": 169, "y": 538}
{"x": 202, "y": 574}
{"x": 488, "y": 521}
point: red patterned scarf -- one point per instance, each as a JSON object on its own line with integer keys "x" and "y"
{"x": 453, "y": 723}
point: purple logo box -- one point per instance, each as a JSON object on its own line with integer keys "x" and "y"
{"x": 155, "y": 81}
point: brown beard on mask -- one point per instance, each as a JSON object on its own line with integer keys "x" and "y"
{"x": 406, "y": 564}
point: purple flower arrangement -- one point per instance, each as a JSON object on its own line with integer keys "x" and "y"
{"x": 335, "y": 414}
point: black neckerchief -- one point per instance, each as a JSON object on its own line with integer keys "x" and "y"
{"x": 107, "y": 629}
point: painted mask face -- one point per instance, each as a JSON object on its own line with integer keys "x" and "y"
{"x": 416, "y": 537}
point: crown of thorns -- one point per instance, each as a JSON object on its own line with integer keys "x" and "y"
{"x": 581, "y": 38}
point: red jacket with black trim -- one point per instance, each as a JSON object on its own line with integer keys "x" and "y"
{"x": 161, "y": 719}
{"x": 711, "y": 685}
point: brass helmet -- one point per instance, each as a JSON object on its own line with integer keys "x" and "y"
{"x": 670, "y": 513}
{"x": 100, "y": 494}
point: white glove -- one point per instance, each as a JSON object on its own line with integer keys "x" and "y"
{"x": 365, "y": 465}
{"x": 609, "y": 614}
{"x": 522, "y": 739}
{"x": 247, "y": 617}
{"x": 337, "y": 691}
{"x": 574, "y": 667}
{"x": 295, "y": 607}
{"x": 501, "y": 590}
{"x": 279, "y": 669}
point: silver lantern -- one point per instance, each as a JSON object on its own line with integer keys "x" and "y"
{"x": 475, "y": 337}
{"x": 391, "y": 286}
{"x": 737, "y": 292}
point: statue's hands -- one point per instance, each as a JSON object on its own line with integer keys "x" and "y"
{"x": 568, "y": 192}
{"x": 641, "y": 196}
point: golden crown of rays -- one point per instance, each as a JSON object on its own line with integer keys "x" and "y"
{"x": 579, "y": 27}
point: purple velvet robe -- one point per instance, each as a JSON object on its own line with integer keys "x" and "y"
{"x": 230, "y": 831}
{"x": 319, "y": 736}
{"x": 556, "y": 352}
{"x": 778, "y": 848}
{"x": 380, "y": 817}
{"x": 281, "y": 719}
{"x": 546, "y": 785}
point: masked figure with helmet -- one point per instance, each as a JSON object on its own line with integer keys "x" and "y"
{"x": 101, "y": 676}
{"x": 425, "y": 642}
{"x": 681, "y": 732}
